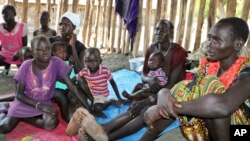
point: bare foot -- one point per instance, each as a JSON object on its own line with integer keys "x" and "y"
{"x": 75, "y": 122}
{"x": 126, "y": 95}
{"x": 92, "y": 128}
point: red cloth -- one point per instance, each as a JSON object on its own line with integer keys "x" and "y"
{"x": 189, "y": 76}
{"x": 26, "y": 132}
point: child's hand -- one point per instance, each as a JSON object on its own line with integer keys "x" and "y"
{"x": 151, "y": 115}
{"x": 48, "y": 109}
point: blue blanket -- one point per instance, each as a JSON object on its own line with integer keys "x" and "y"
{"x": 126, "y": 80}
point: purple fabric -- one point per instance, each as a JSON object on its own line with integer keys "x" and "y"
{"x": 128, "y": 10}
{"x": 39, "y": 87}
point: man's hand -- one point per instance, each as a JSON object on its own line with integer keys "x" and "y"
{"x": 151, "y": 115}
{"x": 166, "y": 104}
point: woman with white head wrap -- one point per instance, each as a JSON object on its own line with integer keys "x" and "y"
{"x": 67, "y": 24}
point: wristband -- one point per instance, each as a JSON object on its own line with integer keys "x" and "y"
{"x": 37, "y": 104}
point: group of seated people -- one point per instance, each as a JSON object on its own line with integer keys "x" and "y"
{"x": 215, "y": 97}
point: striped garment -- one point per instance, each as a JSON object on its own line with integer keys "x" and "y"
{"x": 160, "y": 75}
{"x": 98, "y": 82}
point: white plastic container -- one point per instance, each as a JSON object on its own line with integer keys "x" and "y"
{"x": 136, "y": 63}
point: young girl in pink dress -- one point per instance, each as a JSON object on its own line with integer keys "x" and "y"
{"x": 13, "y": 36}
{"x": 35, "y": 81}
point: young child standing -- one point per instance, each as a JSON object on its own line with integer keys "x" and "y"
{"x": 97, "y": 77}
{"x": 45, "y": 29}
{"x": 155, "y": 63}
{"x": 35, "y": 89}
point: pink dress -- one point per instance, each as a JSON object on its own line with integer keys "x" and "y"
{"x": 11, "y": 42}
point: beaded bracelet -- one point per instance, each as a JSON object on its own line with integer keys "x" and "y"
{"x": 37, "y": 104}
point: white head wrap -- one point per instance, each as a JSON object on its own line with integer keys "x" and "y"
{"x": 73, "y": 17}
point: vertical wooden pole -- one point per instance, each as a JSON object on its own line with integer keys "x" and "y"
{"x": 127, "y": 43}
{"x": 37, "y": 14}
{"x": 48, "y": 6}
{"x": 147, "y": 25}
{"x": 164, "y": 8}
{"x": 113, "y": 33}
{"x": 221, "y": 10}
{"x": 244, "y": 15}
{"x": 25, "y": 11}
{"x": 199, "y": 24}
{"x": 138, "y": 32}
{"x": 58, "y": 13}
{"x": 90, "y": 22}
{"x": 122, "y": 46}
{"x": 231, "y": 8}
{"x": 85, "y": 22}
{"x": 212, "y": 12}
{"x": 245, "y": 10}
{"x": 189, "y": 23}
{"x": 11, "y": 2}
{"x": 65, "y": 6}
{"x": 181, "y": 24}
{"x": 173, "y": 11}
{"x": 118, "y": 45}
{"x": 103, "y": 23}
{"x": 98, "y": 13}
{"x": 108, "y": 23}
{"x": 75, "y": 6}
{"x": 158, "y": 12}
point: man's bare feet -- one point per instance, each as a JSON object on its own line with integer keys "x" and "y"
{"x": 92, "y": 128}
{"x": 75, "y": 122}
